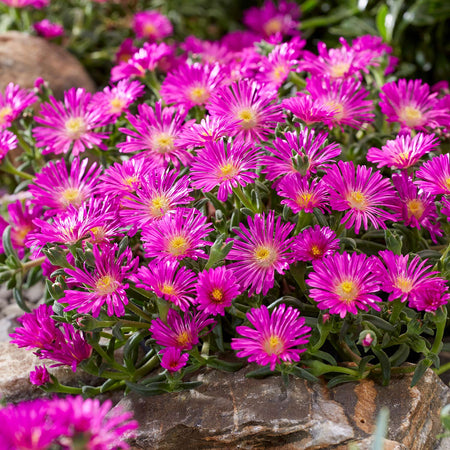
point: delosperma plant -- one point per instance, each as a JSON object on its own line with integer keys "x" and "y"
{"x": 230, "y": 201}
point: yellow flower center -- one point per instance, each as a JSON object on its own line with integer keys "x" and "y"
{"x": 273, "y": 26}
{"x": 339, "y": 70}
{"x": 159, "y": 206}
{"x": 75, "y": 127}
{"x": 347, "y": 291}
{"x": 199, "y": 95}
{"x": 117, "y": 105}
{"x": 402, "y": 158}
{"x": 338, "y": 109}
{"x": 216, "y": 295}
{"x": 303, "y": 200}
{"x": 279, "y": 72}
{"x": 149, "y": 30}
{"x": 315, "y": 250}
{"x": 71, "y": 196}
{"x": 20, "y": 233}
{"x": 357, "y": 200}
{"x": 248, "y": 118}
{"x": 163, "y": 143}
{"x": 415, "y": 208}
{"x": 129, "y": 181}
{"x": 404, "y": 284}
{"x": 184, "y": 338}
{"x": 4, "y": 113}
{"x": 265, "y": 256}
{"x": 178, "y": 246}
{"x": 274, "y": 345}
{"x": 412, "y": 117}
{"x": 99, "y": 233}
{"x": 167, "y": 289}
{"x": 447, "y": 183}
{"x": 228, "y": 171}
{"x": 106, "y": 285}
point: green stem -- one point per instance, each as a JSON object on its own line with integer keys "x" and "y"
{"x": 397, "y": 308}
{"x": 297, "y": 80}
{"x": 163, "y": 309}
{"x": 107, "y": 358}
{"x": 134, "y": 324}
{"x": 244, "y": 200}
{"x": 440, "y": 329}
{"x": 442, "y": 369}
{"x": 146, "y": 368}
{"x": 9, "y": 168}
{"x": 138, "y": 311}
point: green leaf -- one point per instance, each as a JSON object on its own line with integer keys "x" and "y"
{"x": 379, "y": 322}
{"x": 17, "y": 293}
{"x": 380, "y": 20}
{"x": 226, "y": 366}
{"x": 340, "y": 379}
{"x": 421, "y": 368}
{"x": 302, "y": 373}
{"x": 385, "y": 365}
{"x": 262, "y": 372}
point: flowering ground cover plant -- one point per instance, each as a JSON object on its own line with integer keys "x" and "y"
{"x": 226, "y": 201}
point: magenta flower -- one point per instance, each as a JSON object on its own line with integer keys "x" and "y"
{"x": 315, "y": 243}
{"x": 362, "y": 194}
{"x": 210, "y": 129}
{"x": 13, "y": 102}
{"x": 309, "y": 111}
{"x": 271, "y": 20}
{"x": 434, "y": 175}
{"x": 225, "y": 165}
{"x": 259, "y": 251}
{"x": 412, "y": 105}
{"x": 401, "y": 277}
{"x": 300, "y": 153}
{"x": 254, "y": 106}
{"x": 430, "y": 296}
{"x": 216, "y": 289}
{"x": 38, "y": 4}
{"x": 177, "y": 236}
{"x": 104, "y": 285}
{"x": 8, "y": 142}
{"x": 191, "y": 85}
{"x": 47, "y": 29}
{"x": 39, "y": 376}
{"x": 117, "y": 99}
{"x": 416, "y": 209}
{"x": 180, "y": 332}
{"x": 404, "y": 151}
{"x": 168, "y": 280}
{"x": 56, "y": 189}
{"x": 301, "y": 195}
{"x": 275, "y": 337}
{"x": 160, "y": 194}
{"x": 344, "y": 283}
{"x": 151, "y": 25}
{"x": 53, "y": 340}
{"x": 346, "y": 97}
{"x": 70, "y": 125}
{"x": 156, "y": 134}
{"x": 172, "y": 359}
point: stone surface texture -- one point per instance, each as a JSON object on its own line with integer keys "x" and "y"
{"x": 23, "y": 58}
{"x": 231, "y": 411}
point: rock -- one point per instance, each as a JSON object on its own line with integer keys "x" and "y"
{"x": 231, "y": 411}
{"x": 15, "y": 367}
{"x": 23, "y": 58}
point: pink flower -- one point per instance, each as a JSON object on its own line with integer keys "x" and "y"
{"x": 344, "y": 283}
{"x": 305, "y": 108}
{"x": 259, "y": 251}
{"x": 13, "y": 102}
{"x": 275, "y": 337}
{"x": 47, "y": 29}
{"x": 315, "y": 243}
{"x": 434, "y": 175}
{"x": 8, "y": 142}
{"x": 151, "y": 25}
{"x": 38, "y": 4}
{"x": 39, "y": 376}
{"x": 172, "y": 359}
{"x": 430, "y": 296}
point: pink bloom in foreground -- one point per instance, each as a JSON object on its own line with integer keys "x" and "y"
{"x": 315, "y": 243}
{"x": 362, "y": 193}
{"x": 216, "y": 289}
{"x": 344, "y": 283}
{"x": 13, "y": 102}
{"x": 274, "y": 338}
{"x": 104, "y": 285}
{"x": 225, "y": 165}
{"x": 151, "y": 25}
{"x": 8, "y": 142}
{"x": 172, "y": 359}
{"x": 434, "y": 175}
{"x": 403, "y": 151}
{"x": 69, "y": 125}
{"x": 259, "y": 250}
{"x": 182, "y": 332}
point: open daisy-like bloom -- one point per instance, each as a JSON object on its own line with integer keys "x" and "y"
{"x": 430, "y": 296}
{"x": 225, "y": 165}
{"x": 156, "y": 134}
{"x": 315, "y": 243}
{"x": 216, "y": 289}
{"x": 168, "y": 280}
{"x": 56, "y": 189}
{"x": 300, "y": 153}
{"x": 259, "y": 251}
{"x": 177, "y": 236}
{"x": 274, "y": 338}
{"x": 347, "y": 99}
{"x": 305, "y": 108}
{"x": 70, "y": 125}
{"x": 8, "y": 142}
{"x": 254, "y": 106}
{"x": 151, "y": 25}
{"x": 13, "y": 102}
{"x": 404, "y": 151}
{"x": 191, "y": 85}
{"x": 434, "y": 175}
{"x": 104, "y": 285}
{"x": 181, "y": 332}
{"x": 413, "y": 105}
{"x": 362, "y": 193}
{"x": 344, "y": 283}
{"x": 400, "y": 276}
